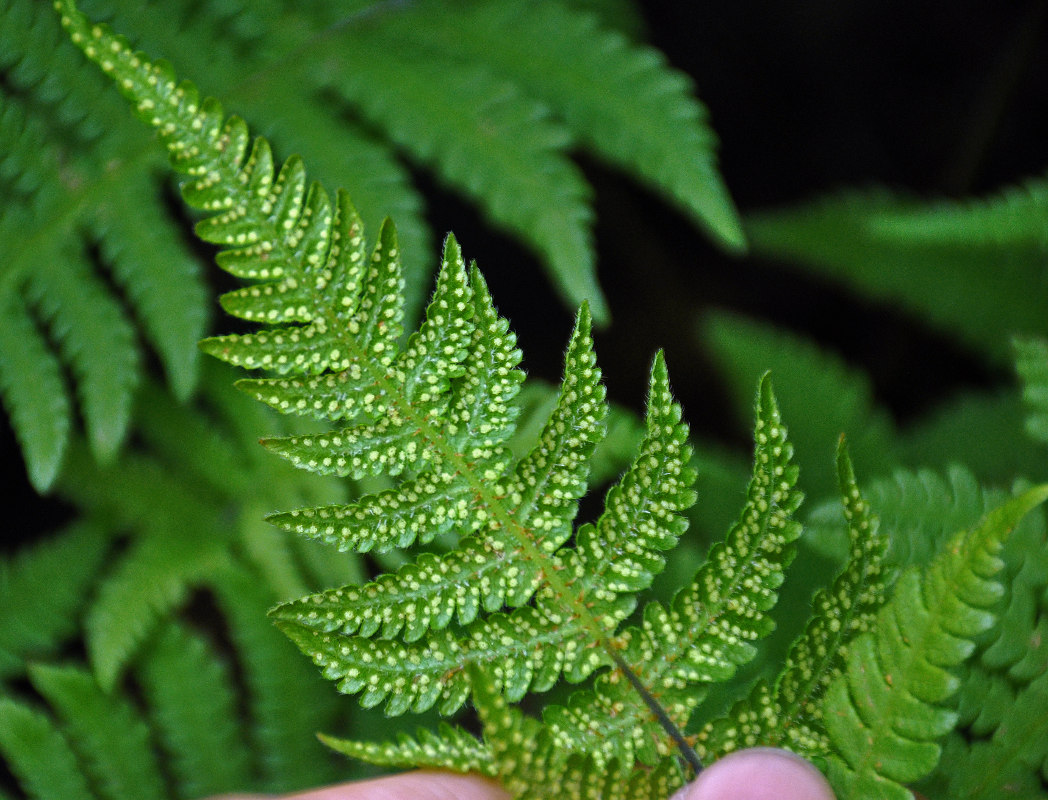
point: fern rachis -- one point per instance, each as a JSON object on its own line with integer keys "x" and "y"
{"x": 522, "y": 599}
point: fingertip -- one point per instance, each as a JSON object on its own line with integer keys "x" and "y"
{"x": 760, "y": 773}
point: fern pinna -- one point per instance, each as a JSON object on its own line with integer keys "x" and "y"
{"x": 512, "y": 597}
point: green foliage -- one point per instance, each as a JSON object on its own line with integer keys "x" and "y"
{"x": 90, "y": 273}
{"x": 135, "y": 652}
{"x": 97, "y": 276}
{"x": 957, "y": 275}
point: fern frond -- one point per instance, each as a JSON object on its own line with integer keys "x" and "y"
{"x": 883, "y": 715}
{"x": 337, "y": 317}
{"x": 1002, "y": 703}
{"x": 502, "y": 147}
{"x": 958, "y": 286}
{"x": 66, "y": 148}
{"x": 39, "y": 754}
{"x": 190, "y": 693}
{"x": 110, "y": 736}
{"x": 37, "y": 612}
{"x": 151, "y": 580}
{"x": 1008, "y": 762}
{"x": 788, "y": 713}
{"x": 132, "y": 234}
{"x": 181, "y": 538}
{"x": 619, "y": 99}
{"x": 922, "y": 509}
{"x": 1016, "y": 216}
{"x": 709, "y": 628}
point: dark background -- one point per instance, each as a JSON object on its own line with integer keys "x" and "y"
{"x": 807, "y": 97}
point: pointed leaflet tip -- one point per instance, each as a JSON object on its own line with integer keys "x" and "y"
{"x": 845, "y": 472}
{"x": 767, "y": 405}
{"x": 583, "y": 319}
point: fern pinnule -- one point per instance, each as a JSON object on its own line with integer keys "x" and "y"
{"x": 530, "y": 764}
{"x": 39, "y": 755}
{"x": 1011, "y": 217}
{"x": 1009, "y": 761}
{"x": 503, "y": 147}
{"x": 287, "y": 701}
{"x": 39, "y": 409}
{"x": 1031, "y": 363}
{"x": 190, "y": 693}
{"x": 449, "y": 748}
{"x": 93, "y": 336}
{"x": 38, "y": 613}
{"x": 132, "y": 234}
{"x": 107, "y": 733}
{"x": 181, "y": 537}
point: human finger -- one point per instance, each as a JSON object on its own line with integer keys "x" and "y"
{"x": 421, "y": 785}
{"x": 760, "y": 773}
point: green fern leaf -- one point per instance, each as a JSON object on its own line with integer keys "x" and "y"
{"x": 39, "y": 755}
{"x": 190, "y": 693}
{"x": 170, "y": 302}
{"x": 449, "y": 748}
{"x": 513, "y": 598}
{"x": 995, "y": 747}
{"x": 530, "y": 766}
{"x": 503, "y": 147}
{"x": 1008, "y": 762}
{"x": 287, "y": 702}
{"x": 110, "y": 737}
{"x": 564, "y": 602}
{"x": 788, "y": 713}
{"x": 151, "y": 580}
{"x": 174, "y": 549}
{"x": 95, "y": 340}
{"x": 883, "y": 714}
{"x": 619, "y": 99}
{"x": 1012, "y": 217}
{"x": 67, "y": 257}
{"x": 33, "y": 391}
{"x": 38, "y": 613}
{"x": 488, "y": 571}
{"x": 709, "y": 628}
{"x": 843, "y": 238}
{"x": 922, "y": 509}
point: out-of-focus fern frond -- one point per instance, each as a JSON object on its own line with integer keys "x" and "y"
{"x": 38, "y": 611}
{"x": 824, "y": 395}
{"x": 957, "y": 283}
{"x": 81, "y": 287}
